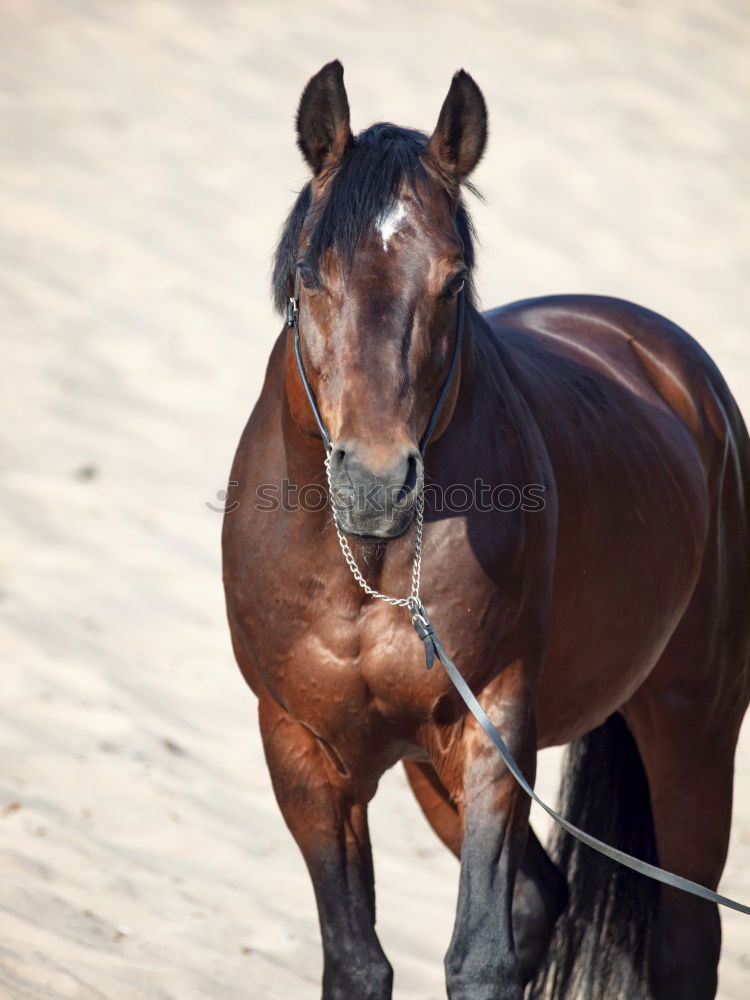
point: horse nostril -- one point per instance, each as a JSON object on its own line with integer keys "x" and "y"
{"x": 410, "y": 481}
{"x": 341, "y": 466}
{"x": 338, "y": 457}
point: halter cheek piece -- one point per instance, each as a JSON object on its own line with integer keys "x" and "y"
{"x": 292, "y": 320}
{"x": 433, "y": 647}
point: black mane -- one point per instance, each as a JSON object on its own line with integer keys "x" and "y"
{"x": 365, "y": 188}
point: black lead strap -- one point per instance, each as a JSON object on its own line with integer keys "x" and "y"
{"x": 434, "y": 648}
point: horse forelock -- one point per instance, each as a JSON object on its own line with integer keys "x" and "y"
{"x": 364, "y": 189}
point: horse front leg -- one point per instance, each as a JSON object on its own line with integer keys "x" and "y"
{"x": 540, "y": 892}
{"x": 327, "y": 816}
{"x": 481, "y": 962}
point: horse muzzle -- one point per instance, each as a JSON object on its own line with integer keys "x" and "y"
{"x": 373, "y": 501}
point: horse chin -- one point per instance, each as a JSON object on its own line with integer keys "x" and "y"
{"x": 382, "y": 528}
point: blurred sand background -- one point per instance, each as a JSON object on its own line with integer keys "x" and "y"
{"x": 147, "y": 160}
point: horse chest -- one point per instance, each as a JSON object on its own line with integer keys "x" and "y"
{"x": 360, "y": 666}
{"x": 343, "y": 663}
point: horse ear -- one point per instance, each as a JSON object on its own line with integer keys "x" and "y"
{"x": 457, "y": 144}
{"x": 323, "y": 131}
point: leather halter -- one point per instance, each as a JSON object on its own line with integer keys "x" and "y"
{"x": 292, "y": 320}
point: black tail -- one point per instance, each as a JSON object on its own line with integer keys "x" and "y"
{"x": 600, "y": 947}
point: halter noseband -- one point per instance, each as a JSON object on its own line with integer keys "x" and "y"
{"x": 292, "y": 320}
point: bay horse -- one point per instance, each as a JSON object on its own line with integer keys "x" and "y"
{"x": 605, "y": 607}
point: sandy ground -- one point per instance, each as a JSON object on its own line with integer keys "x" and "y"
{"x": 147, "y": 160}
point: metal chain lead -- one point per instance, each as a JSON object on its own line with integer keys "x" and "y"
{"x": 411, "y": 602}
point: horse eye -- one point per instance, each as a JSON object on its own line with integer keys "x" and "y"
{"x": 454, "y": 285}
{"x": 308, "y": 276}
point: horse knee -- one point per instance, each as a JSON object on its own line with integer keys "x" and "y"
{"x": 685, "y": 952}
{"x": 674, "y": 977}
{"x": 496, "y": 980}
{"x": 534, "y": 919}
{"x": 368, "y": 978}
{"x": 539, "y": 897}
